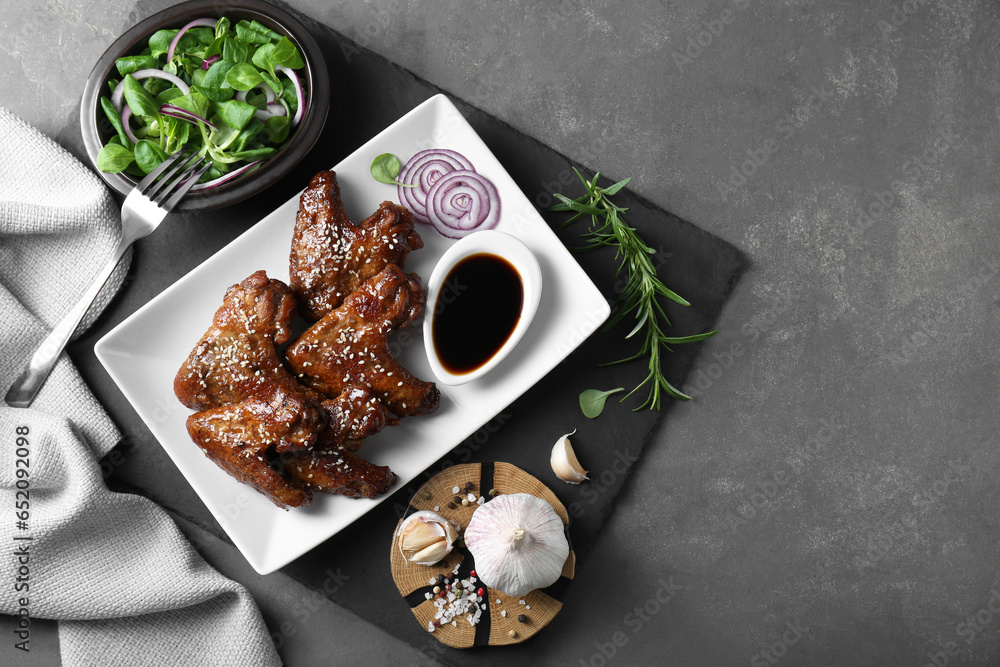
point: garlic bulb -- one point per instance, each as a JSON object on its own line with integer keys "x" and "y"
{"x": 518, "y": 542}
{"x": 564, "y": 462}
{"x": 425, "y": 537}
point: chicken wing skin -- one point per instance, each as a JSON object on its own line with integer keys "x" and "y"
{"x": 237, "y": 438}
{"x": 237, "y": 359}
{"x": 350, "y": 346}
{"x": 330, "y": 468}
{"x": 354, "y": 415}
{"x": 331, "y": 256}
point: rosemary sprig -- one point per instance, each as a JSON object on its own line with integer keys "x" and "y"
{"x": 642, "y": 286}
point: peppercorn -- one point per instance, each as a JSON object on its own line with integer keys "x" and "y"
{"x": 452, "y": 506}
{"x": 426, "y": 495}
{"x": 512, "y": 633}
{"x": 468, "y": 486}
{"x": 522, "y": 618}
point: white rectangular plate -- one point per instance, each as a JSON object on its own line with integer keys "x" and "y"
{"x": 143, "y": 353}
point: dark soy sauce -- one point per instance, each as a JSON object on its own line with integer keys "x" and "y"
{"x": 477, "y": 310}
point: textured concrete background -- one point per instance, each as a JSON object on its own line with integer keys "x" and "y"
{"x": 830, "y": 498}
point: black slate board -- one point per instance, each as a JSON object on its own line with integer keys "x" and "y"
{"x": 370, "y": 93}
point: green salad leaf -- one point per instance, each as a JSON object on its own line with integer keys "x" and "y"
{"x": 114, "y": 158}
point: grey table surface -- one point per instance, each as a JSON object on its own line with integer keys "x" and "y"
{"x": 830, "y": 497}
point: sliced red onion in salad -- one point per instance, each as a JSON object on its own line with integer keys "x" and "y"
{"x": 442, "y": 188}
{"x": 241, "y": 95}
{"x": 126, "y": 117}
{"x": 208, "y": 23}
{"x": 272, "y": 109}
{"x": 184, "y": 114}
{"x": 300, "y": 98}
{"x": 119, "y": 92}
{"x": 225, "y": 178}
{"x": 209, "y": 61}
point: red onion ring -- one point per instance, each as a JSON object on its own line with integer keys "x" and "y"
{"x": 300, "y": 95}
{"x": 423, "y": 170}
{"x": 208, "y": 23}
{"x": 126, "y": 117}
{"x": 225, "y": 178}
{"x": 209, "y": 61}
{"x": 273, "y": 109}
{"x": 241, "y": 95}
{"x": 461, "y": 202}
{"x": 119, "y": 92}
{"x": 184, "y": 114}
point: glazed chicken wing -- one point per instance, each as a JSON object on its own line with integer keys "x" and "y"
{"x": 349, "y": 345}
{"x": 237, "y": 359}
{"x": 237, "y": 438}
{"x": 330, "y": 468}
{"x": 331, "y": 256}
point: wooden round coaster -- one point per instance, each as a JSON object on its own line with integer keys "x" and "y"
{"x": 498, "y": 624}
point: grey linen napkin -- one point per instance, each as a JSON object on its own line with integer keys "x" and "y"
{"x": 125, "y": 585}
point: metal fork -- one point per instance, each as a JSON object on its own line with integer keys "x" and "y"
{"x": 144, "y": 209}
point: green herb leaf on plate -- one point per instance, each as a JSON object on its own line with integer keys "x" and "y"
{"x": 592, "y": 401}
{"x": 385, "y": 168}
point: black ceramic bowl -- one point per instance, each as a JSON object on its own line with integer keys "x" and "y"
{"x": 97, "y": 130}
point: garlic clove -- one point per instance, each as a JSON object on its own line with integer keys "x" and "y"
{"x": 425, "y": 538}
{"x": 432, "y": 553}
{"x": 564, "y": 462}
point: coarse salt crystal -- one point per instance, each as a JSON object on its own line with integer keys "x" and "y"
{"x": 471, "y": 497}
{"x": 503, "y": 612}
{"x": 437, "y": 508}
{"x": 498, "y": 601}
{"x": 432, "y": 580}
{"x": 520, "y": 601}
{"x": 527, "y": 606}
{"x": 428, "y": 596}
{"x": 454, "y": 489}
{"x": 430, "y": 626}
{"x": 481, "y": 500}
